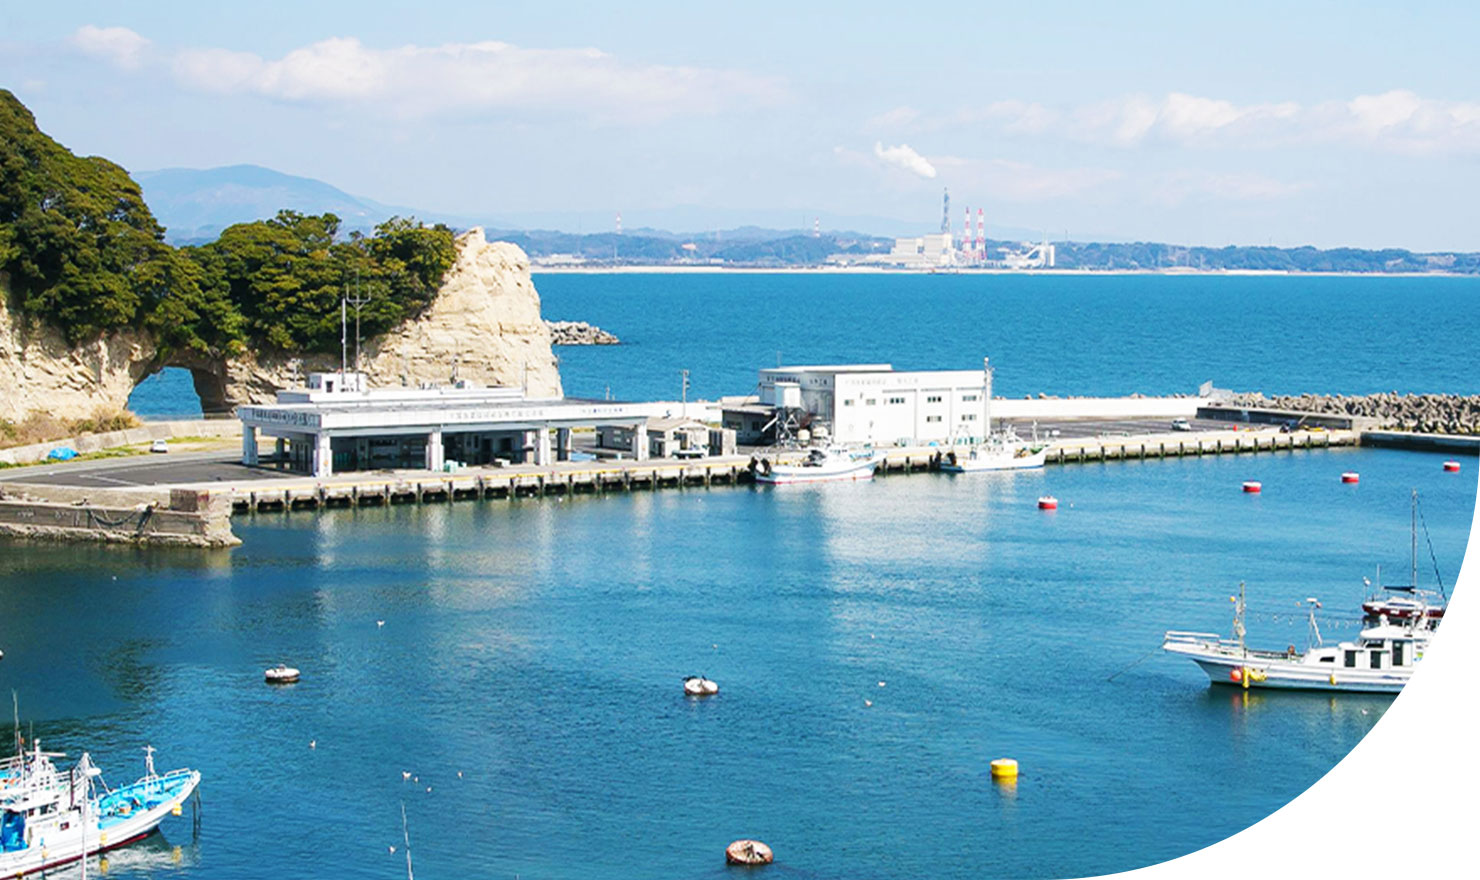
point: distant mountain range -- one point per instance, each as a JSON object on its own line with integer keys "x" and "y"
{"x": 195, "y": 205}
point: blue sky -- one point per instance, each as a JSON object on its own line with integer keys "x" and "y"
{"x": 1250, "y": 123}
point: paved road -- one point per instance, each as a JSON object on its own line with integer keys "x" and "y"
{"x": 208, "y": 467}
{"x": 152, "y": 470}
{"x": 1077, "y": 428}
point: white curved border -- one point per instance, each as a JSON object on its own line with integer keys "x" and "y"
{"x": 1401, "y": 803}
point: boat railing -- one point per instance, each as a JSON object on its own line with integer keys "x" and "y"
{"x": 1187, "y": 636}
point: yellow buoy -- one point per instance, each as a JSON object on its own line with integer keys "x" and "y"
{"x": 175, "y": 810}
{"x": 1004, "y": 768}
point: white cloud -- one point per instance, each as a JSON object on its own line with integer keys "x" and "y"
{"x": 1175, "y": 187}
{"x": 905, "y": 157}
{"x": 1004, "y": 180}
{"x": 418, "y": 80}
{"x": 1397, "y": 121}
{"x": 118, "y": 46}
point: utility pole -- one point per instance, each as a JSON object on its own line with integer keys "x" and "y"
{"x": 358, "y": 301}
{"x": 685, "y": 392}
{"x": 343, "y": 334}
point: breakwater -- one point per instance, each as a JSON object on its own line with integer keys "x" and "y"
{"x": 579, "y": 333}
{"x": 1421, "y": 413}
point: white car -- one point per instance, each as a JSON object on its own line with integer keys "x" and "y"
{"x": 1181, "y": 425}
{"x": 160, "y": 445}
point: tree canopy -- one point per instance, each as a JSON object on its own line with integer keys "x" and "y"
{"x": 83, "y": 253}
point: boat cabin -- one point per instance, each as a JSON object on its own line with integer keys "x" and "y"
{"x": 1379, "y": 647}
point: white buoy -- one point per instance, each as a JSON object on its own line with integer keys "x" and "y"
{"x": 280, "y": 674}
{"x": 699, "y": 686}
{"x": 379, "y": 623}
{"x": 313, "y": 743}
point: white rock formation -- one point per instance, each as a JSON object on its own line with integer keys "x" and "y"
{"x": 484, "y": 326}
{"x": 39, "y": 370}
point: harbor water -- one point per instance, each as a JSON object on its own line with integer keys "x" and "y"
{"x": 876, "y": 645}
{"x": 528, "y": 671}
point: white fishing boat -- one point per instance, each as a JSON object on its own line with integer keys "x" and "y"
{"x": 49, "y": 818}
{"x": 1380, "y": 660}
{"x": 1003, "y": 451}
{"x": 822, "y": 465}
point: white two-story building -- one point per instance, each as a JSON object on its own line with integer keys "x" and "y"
{"x": 876, "y": 404}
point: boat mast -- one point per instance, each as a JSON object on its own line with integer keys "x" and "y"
{"x": 1238, "y": 620}
{"x": 1413, "y": 552}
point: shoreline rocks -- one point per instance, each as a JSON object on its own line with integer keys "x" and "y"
{"x": 1423, "y": 413}
{"x": 579, "y": 333}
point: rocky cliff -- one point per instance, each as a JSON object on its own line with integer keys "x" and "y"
{"x": 484, "y": 325}
{"x": 40, "y": 371}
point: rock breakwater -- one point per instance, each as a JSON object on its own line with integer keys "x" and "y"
{"x": 579, "y": 333}
{"x": 1426, "y": 413}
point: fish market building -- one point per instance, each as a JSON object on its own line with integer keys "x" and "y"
{"x": 337, "y": 424}
{"x": 869, "y": 404}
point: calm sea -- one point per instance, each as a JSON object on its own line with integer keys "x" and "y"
{"x": 536, "y": 647}
{"x": 1110, "y": 335}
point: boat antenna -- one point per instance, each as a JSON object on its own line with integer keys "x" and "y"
{"x": 15, "y": 707}
{"x": 406, "y": 838}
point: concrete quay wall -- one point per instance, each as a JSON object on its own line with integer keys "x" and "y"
{"x": 94, "y": 523}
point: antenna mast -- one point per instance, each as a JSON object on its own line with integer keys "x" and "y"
{"x": 945, "y": 211}
{"x": 359, "y": 300}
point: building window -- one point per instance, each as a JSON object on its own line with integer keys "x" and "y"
{"x": 968, "y": 417}
{"x": 755, "y": 424}
{"x": 847, "y": 403}
{"x": 934, "y": 398}
{"x": 896, "y": 400}
{"x": 932, "y": 418}
{"x": 1351, "y": 658}
{"x": 870, "y": 402}
{"x": 970, "y": 398}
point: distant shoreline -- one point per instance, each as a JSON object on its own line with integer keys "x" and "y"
{"x": 668, "y": 269}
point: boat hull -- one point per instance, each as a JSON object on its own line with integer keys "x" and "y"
{"x": 966, "y": 464}
{"x": 1265, "y": 673}
{"x": 782, "y": 474}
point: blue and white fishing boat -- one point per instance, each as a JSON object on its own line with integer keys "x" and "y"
{"x": 50, "y": 818}
{"x": 1380, "y": 660}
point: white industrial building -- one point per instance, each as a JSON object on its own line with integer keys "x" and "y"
{"x": 867, "y": 404}
{"x": 337, "y": 424}
{"x": 922, "y": 252}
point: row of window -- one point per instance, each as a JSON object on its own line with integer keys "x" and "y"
{"x": 934, "y": 398}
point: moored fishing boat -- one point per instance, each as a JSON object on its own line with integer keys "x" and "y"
{"x": 822, "y": 465}
{"x": 1407, "y": 602}
{"x": 1380, "y": 660}
{"x": 1003, "y": 451}
{"x": 49, "y": 819}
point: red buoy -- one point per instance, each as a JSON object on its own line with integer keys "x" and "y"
{"x": 1048, "y": 502}
{"x": 1235, "y": 675}
{"x": 1351, "y": 477}
{"x": 1253, "y": 486}
{"x": 1451, "y": 466}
